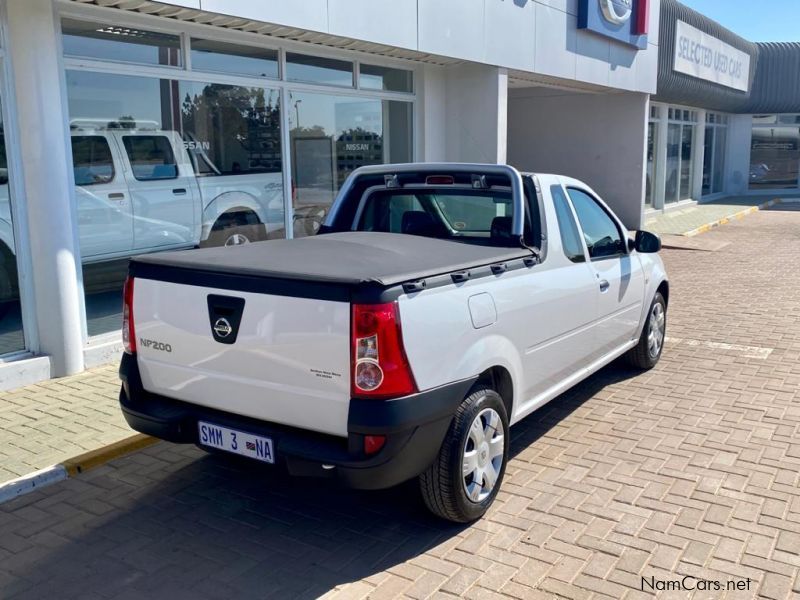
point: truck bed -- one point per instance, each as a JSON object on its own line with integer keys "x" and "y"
{"x": 350, "y": 258}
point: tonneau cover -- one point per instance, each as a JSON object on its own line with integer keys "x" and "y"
{"x": 350, "y": 258}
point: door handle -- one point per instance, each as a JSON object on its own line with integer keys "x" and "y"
{"x": 604, "y": 285}
{"x": 116, "y": 196}
{"x": 179, "y": 191}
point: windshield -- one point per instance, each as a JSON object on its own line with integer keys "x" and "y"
{"x": 456, "y": 213}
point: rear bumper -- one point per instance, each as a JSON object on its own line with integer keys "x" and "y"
{"x": 414, "y": 427}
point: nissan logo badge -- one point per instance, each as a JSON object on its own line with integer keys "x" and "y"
{"x": 617, "y": 11}
{"x": 222, "y": 328}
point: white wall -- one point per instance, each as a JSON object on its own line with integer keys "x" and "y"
{"x": 464, "y": 111}
{"x": 536, "y": 36}
{"x": 476, "y": 114}
{"x": 597, "y": 138}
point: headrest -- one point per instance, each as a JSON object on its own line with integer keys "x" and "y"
{"x": 417, "y": 222}
{"x": 501, "y": 228}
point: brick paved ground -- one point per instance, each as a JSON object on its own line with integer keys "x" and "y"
{"x": 45, "y": 424}
{"x": 690, "y": 469}
{"x": 679, "y": 221}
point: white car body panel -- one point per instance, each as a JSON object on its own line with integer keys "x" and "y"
{"x": 290, "y": 363}
{"x": 553, "y": 321}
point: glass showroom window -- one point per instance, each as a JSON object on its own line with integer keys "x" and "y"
{"x": 11, "y": 338}
{"x": 102, "y": 41}
{"x": 680, "y": 151}
{"x": 167, "y": 164}
{"x": 775, "y": 152}
{"x": 317, "y": 69}
{"x": 714, "y": 153}
{"x": 333, "y": 135}
{"x": 384, "y": 78}
{"x": 233, "y": 59}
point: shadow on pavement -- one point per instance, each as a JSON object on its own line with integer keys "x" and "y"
{"x": 784, "y": 207}
{"x": 172, "y": 522}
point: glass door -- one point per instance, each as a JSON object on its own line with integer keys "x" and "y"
{"x": 714, "y": 153}
{"x": 687, "y": 168}
{"x": 708, "y": 160}
{"x": 673, "y": 163}
{"x": 680, "y": 155}
{"x": 652, "y": 135}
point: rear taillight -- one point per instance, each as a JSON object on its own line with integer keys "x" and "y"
{"x": 380, "y": 368}
{"x": 128, "y": 330}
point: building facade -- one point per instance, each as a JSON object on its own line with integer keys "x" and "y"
{"x": 723, "y": 121}
{"x": 141, "y": 126}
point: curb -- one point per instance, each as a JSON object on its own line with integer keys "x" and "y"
{"x": 734, "y": 217}
{"x": 72, "y": 467}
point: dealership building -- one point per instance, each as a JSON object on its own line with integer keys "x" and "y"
{"x": 133, "y": 126}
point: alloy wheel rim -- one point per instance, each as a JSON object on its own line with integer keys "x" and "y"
{"x": 655, "y": 332}
{"x": 483, "y": 455}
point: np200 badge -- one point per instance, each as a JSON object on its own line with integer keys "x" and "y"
{"x": 155, "y": 345}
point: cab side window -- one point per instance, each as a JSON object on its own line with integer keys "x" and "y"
{"x": 603, "y": 237}
{"x": 91, "y": 160}
{"x": 151, "y": 157}
{"x": 570, "y": 238}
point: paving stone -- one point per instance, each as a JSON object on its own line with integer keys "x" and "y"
{"x": 47, "y": 433}
{"x": 688, "y": 468}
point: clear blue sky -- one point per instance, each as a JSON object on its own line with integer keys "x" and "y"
{"x": 760, "y": 21}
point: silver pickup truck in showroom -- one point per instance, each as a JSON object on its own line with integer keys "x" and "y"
{"x": 439, "y": 304}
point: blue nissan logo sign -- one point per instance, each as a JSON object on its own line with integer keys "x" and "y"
{"x": 616, "y": 11}
{"x": 625, "y": 21}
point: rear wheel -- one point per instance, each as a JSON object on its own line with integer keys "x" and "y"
{"x": 236, "y": 229}
{"x": 647, "y": 352}
{"x": 464, "y": 479}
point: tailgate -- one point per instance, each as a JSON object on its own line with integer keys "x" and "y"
{"x": 288, "y": 363}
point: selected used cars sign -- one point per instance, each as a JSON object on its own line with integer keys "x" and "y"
{"x": 706, "y": 57}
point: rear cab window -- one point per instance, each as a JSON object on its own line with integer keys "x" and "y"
{"x": 458, "y": 205}
{"x": 151, "y": 157}
{"x": 481, "y": 216}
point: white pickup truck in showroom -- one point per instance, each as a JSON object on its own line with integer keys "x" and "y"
{"x": 143, "y": 189}
{"x": 439, "y": 304}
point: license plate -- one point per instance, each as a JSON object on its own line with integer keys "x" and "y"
{"x": 235, "y": 441}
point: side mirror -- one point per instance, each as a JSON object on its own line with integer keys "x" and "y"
{"x": 647, "y": 242}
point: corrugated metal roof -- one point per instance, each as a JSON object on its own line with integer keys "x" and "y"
{"x": 774, "y": 70}
{"x": 776, "y": 88}
{"x": 678, "y": 88}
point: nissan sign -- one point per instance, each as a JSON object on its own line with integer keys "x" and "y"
{"x": 617, "y": 11}
{"x": 622, "y": 20}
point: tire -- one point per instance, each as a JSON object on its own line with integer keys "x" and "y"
{"x": 235, "y": 229}
{"x": 444, "y": 485}
{"x": 647, "y": 352}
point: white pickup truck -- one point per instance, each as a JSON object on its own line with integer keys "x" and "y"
{"x": 440, "y": 304}
{"x": 142, "y": 189}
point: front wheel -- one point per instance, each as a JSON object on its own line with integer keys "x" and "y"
{"x": 646, "y": 353}
{"x": 464, "y": 479}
